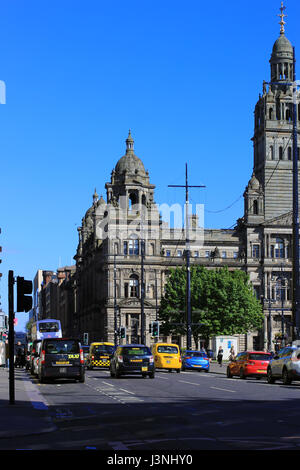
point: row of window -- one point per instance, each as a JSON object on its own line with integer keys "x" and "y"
{"x": 281, "y": 153}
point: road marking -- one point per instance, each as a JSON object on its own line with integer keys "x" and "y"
{"x": 224, "y": 389}
{"x": 118, "y": 445}
{"x": 191, "y": 383}
{"x": 127, "y": 391}
{"x": 106, "y": 383}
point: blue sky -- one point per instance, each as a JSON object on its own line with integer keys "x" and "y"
{"x": 184, "y": 77}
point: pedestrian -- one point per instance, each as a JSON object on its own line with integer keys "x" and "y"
{"x": 6, "y": 354}
{"x": 220, "y": 356}
{"x": 231, "y": 353}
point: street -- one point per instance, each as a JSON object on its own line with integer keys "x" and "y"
{"x": 186, "y": 411}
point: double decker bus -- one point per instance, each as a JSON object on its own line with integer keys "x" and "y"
{"x": 48, "y": 328}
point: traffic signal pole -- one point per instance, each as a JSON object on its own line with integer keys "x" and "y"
{"x": 11, "y": 337}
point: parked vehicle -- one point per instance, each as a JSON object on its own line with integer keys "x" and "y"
{"x": 61, "y": 358}
{"x": 167, "y": 356}
{"x": 249, "y": 364}
{"x": 36, "y": 358}
{"x": 33, "y": 353}
{"x": 195, "y": 360}
{"x": 99, "y": 355}
{"x": 132, "y": 359}
{"x": 285, "y": 366}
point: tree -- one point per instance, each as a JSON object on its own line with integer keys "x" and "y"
{"x": 221, "y": 300}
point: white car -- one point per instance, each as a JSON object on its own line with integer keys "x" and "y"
{"x": 285, "y": 366}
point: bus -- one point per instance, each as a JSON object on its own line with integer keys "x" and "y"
{"x": 49, "y": 328}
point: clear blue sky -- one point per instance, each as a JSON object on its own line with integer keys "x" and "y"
{"x": 184, "y": 76}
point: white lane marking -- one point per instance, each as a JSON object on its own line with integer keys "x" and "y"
{"x": 191, "y": 383}
{"x": 106, "y": 383}
{"x": 127, "y": 391}
{"x": 118, "y": 445}
{"x": 224, "y": 389}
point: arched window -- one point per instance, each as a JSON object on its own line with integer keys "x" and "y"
{"x": 271, "y": 113}
{"x": 290, "y": 153}
{"x": 280, "y": 153}
{"x": 255, "y": 207}
{"x": 271, "y": 152}
{"x": 134, "y": 286}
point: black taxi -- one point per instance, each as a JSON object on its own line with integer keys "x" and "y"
{"x": 132, "y": 359}
{"x": 61, "y": 358}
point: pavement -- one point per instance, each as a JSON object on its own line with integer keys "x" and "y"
{"x": 28, "y": 413}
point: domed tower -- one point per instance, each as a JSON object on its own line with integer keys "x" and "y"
{"x": 130, "y": 186}
{"x": 273, "y": 126}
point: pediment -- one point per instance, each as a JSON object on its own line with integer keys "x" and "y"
{"x": 134, "y": 302}
{"x": 285, "y": 220}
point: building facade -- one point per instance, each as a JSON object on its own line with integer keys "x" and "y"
{"x": 126, "y": 250}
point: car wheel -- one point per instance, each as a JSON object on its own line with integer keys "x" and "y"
{"x": 270, "y": 378}
{"x": 117, "y": 374}
{"x": 286, "y": 378}
{"x": 228, "y": 373}
{"x": 178, "y": 371}
{"x": 152, "y": 375}
{"x": 242, "y": 374}
{"x": 206, "y": 370}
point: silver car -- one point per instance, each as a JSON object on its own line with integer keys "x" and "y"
{"x": 285, "y": 366}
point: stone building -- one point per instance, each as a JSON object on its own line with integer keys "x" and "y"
{"x": 126, "y": 249}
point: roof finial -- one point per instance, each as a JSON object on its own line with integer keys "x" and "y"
{"x": 129, "y": 142}
{"x": 282, "y": 16}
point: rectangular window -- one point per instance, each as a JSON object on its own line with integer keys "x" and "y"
{"x": 235, "y": 254}
{"x": 207, "y": 254}
{"x": 125, "y": 250}
{"x": 196, "y": 254}
{"x": 168, "y": 253}
{"x": 179, "y": 253}
{"x": 224, "y": 254}
{"x": 255, "y": 251}
{"x": 133, "y": 247}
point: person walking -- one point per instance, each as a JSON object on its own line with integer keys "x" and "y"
{"x": 6, "y": 354}
{"x": 220, "y": 356}
{"x": 232, "y": 353}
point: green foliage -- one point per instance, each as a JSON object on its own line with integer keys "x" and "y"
{"x": 222, "y": 301}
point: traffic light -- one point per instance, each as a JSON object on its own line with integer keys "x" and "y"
{"x": 24, "y": 299}
{"x": 155, "y": 329}
{"x": 123, "y": 332}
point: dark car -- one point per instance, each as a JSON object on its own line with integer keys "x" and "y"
{"x": 132, "y": 359}
{"x": 61, "y": 358}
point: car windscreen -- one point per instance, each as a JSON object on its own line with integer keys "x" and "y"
{"x": 67, "y": 346}
{"x": 260, "y": 357}
{"x": 167, "y": 349}
{"x": 103, "y": 349}
{"x": 140, "y": 351}
{"x": 195, "y": 354}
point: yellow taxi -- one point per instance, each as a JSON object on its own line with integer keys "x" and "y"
{"x": 99, "y": 355}
{"x": 166, "y": 356}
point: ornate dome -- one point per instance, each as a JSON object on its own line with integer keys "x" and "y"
{"x": 282, "y": 47}
{"x": 130, "y": 163}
